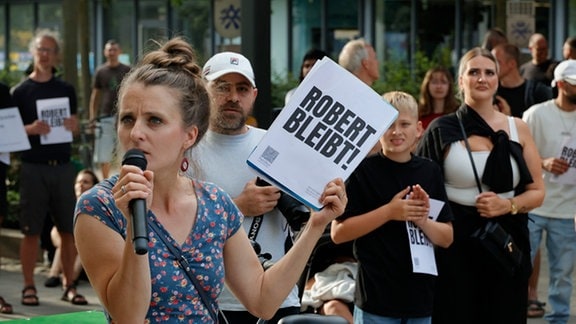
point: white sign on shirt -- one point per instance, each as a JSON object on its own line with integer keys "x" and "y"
{"x": 421, "y": 249}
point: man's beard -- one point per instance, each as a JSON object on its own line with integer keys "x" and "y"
{"x": 227, "y": 125}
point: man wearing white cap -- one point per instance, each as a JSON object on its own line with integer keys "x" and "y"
{"x": 553, "y": 126}
{"x": 222, "y": 157}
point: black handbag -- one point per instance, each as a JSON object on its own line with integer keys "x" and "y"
{"x": 500, "y": 245}
{"x": 492, "y": 236}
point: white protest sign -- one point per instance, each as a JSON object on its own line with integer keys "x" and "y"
{"x": 421, "y": 249}
{"x": 13, "y": 136}
{"x": 330, "y": 124}
{"x": 567, "y": 152}
{"x": 54, "y": 111}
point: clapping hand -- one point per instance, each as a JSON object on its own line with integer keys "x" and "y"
{"x": 410, "y": 204}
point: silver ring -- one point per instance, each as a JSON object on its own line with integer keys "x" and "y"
{"x": 123, "y": 188}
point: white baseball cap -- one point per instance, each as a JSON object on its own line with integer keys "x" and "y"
{"x": 228, "y": 62}
{"x": 565, "y": 71}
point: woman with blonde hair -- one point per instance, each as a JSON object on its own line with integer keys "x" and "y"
{"x": 492, "y": 173}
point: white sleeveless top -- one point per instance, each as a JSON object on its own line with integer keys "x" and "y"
{"x": 461, "y": 185}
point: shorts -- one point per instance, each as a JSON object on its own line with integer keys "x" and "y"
{"x": 46, "y": 191}
{"x": 105, "y": 140}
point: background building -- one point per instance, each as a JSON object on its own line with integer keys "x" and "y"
{"x": 275, "y": 34}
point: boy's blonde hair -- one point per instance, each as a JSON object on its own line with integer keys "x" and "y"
{"x": 403, "y": 102}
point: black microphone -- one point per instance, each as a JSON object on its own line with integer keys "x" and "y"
{"x": 138, "y": 206}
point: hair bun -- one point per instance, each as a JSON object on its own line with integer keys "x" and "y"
{"x": 175, "y": 54}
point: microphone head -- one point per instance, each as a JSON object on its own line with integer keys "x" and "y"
{"x": 135, "y": 157}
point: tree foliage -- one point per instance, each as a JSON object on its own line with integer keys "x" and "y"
{"x": 396, "y": 74}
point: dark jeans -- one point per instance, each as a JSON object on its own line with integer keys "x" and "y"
{"x": 242, "y": 317}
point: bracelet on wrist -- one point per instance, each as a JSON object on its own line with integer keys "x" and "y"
{"x": 513, "y": 207}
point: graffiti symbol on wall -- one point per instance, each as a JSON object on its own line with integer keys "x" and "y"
{"x": 521, "y": 30}
{"x": 227, "y": 17}
{"x": 230, "y": 17}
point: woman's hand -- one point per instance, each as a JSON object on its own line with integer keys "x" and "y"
{"x": 133, "y": 183}
{"x": 334, "y": 200}
{"x": 489, "y": 205}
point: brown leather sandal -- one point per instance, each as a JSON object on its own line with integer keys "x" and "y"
{"x": 535, "y": 309}
{"x": 72, "y": 296}
{"x": 5, "y": 308}
{"x": 30, "y": 296}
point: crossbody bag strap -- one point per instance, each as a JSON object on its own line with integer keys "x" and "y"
{"x": 186, "y": 267}
{"x": 255, "y": 227}
{"x": 469, "y": 152}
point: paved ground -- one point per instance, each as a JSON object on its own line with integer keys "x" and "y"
{"x": 50, "y": 303}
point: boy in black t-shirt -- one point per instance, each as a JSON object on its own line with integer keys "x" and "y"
{"x": 387, "y": 216}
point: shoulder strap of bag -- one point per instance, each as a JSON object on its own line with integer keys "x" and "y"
{"x": 469, "y": 152}
{"x": 255, "y": 227}
{"x": 186, "y": 267}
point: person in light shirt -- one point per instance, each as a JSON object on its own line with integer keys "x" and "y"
{"x": 553, "y": 125}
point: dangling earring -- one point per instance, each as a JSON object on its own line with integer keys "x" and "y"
{"x": 184, "y": 165}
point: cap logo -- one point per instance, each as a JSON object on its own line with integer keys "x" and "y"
{"x": 234, "y": 60}
{"x": 207, "y": 71}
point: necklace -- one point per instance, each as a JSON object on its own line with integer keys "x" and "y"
{"x": 567, "y": 131}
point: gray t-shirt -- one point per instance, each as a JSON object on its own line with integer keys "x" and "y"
{"x": 222, "y": 160}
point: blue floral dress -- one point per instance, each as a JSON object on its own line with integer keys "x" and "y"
{"x": 174, "y": 298}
